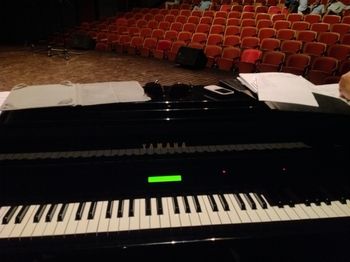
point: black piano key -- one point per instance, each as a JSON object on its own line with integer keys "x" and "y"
{"x": 80, "y": 211}
{"x": 131, "y": 207}
{"x": 51, "y": 213}
{"x": 109, "y": 209}
{"x": 250, "y": 200}
{"x": 239, "y": 201}
{"x": 306, "y": 196}
{"x": 176, "y": 205}
{"x": 282, "y": 199}
{"x": 197, "y": 204}
{"x": 187, "y": 205}
{"x": 9, "y": 214}
{"x": 213, "y": 204}
{"x": 92, "y": 210}
{"x": 340, "y": 194}
{"x": 148, "y": 210}
{"x": 223, "y": 202}
{"x": 159, "y": 206}
{"x": 343, "y": 199}
{"x": 21, "y": 214}
{"x": 315, "y": 196}
{"x": 292, "y": 197}
{"x": 346, "y": 189}
{"x": 62, "y": 212}
{"x": 260, "y": 200}
{"x": 326, "y": 196}
{"x": 39, "y": 213}
{"x": 120, "y": 208}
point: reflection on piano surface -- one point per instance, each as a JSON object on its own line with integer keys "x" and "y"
{"x": 218, "y": 177}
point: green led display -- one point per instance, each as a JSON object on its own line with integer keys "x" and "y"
{"x": 164, "y": 179}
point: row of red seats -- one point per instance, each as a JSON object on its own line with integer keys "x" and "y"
{"x": 171, "y": 16}
{"x": 229, "y": 35}
{"x": 318, "y": 70}
{"x": 167, "y": 49}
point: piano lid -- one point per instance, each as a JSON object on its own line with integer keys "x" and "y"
{"x": 192, "y": 115}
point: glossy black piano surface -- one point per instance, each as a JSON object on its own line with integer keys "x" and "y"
{"x": 77, "y": 179}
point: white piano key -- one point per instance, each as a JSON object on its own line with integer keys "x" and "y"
{"x": 103, "y": 221}
{"x": 184, "y": 217}
{"x": 17, "y": 230}
{"x": 337, "y": 210}
{"x": 234, "y": 217}
{"x": 260, "y": 211}
{"x": 124, "y": 220}
{"x": 270, "y": 211}
{"x": 154, "y": 218}
{"x": 134, "y": 223}
{"x": 51, "y": 226}
{"x": 114, "y": 220}
{"x": 93, "y": 223}
{"x": 174, "y": 218}
{"x": 165, "y": 218}
{"x": 30, "y": 227}
{"x": 194, "y": 217}
{"x": 319, "y": 211}
{"x": 6, "y": 232}
{"x": 291, "y": 213}
{"x": 72, "y": 223}
{"x": 309, "y": 211}
{"x": 300, "y": 212}
{"x": 283, "y": 216}
{"x": 343, "y": 207}
{"x": 3, "y": 211}
{"x": 243, "y": 214}
{"x": 203, "y": 216}
{"x": 214, "y": 217}
{"x": 61, "y": 225}
{"x": 328, "y": 210}
{"x": 144, "y": 220}
{"x": 224, "y": 218}
{"x": 41, "y": 224}
{"x": 83, "y": 222}
{"x": 251, "y": 213}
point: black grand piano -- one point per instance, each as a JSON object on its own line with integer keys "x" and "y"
{"x": 189, "y": 175}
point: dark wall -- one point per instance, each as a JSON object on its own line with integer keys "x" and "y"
{"x": 28, "y": 21}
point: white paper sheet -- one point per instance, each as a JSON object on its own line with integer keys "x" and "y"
{"x": 281, "y": 87}
{"x": 3, "y": 96}
{"x": 331, "y": 90}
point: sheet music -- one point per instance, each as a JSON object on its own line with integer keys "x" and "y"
{"x": 36, "y": 96}
{"x": 280, "y": 87}
{"x": 69, "y": 94}
{"x": 331, "y": 90}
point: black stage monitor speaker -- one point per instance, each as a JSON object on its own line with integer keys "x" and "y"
{"x": 191, "y": 57}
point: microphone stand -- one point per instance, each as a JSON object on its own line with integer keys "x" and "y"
{"x": 63, "y": 50}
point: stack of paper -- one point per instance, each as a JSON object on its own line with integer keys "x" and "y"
{"x": 280, "y": 87}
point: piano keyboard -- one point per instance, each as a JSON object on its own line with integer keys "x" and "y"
{"x": 110, "y": 216}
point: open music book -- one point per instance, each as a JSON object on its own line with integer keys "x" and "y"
{"x": 70, "y": 94}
